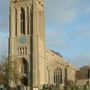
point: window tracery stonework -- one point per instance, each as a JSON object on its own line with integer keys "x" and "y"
{"x": 22, "y": 50}
{"x": 58, "y": 76}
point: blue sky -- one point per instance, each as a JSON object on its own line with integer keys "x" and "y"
{"x": 67, "y": 28}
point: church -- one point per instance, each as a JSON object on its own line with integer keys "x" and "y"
{"x": 34, "y": 64}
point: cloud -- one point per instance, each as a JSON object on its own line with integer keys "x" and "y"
{"x": 4, "y": 8}
{"x": 55, "y": 39}
{"x": 4, "y": 15}
{"x": 4, "y": 26}
{"x": 59, "y": 11}
{"x": 59, "y": 15}
{"x": 3, "y": 44}
{"x": 65, "y": 11}
{"x": 82, "y": 33}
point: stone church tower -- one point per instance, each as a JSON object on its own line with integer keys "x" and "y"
{"x": 27, "y": 44}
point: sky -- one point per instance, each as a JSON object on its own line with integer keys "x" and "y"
{"x": 67, "y": 29}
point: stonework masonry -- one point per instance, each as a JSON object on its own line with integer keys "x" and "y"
{"x": 35, "y": 64}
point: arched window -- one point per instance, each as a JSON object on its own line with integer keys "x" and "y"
{"x": 28, "y": 21}
{"x": 24, "y": 72}
{"x": 16, "y": 22}
{"x": 24, "y": 67}
{"x": 22, "y": 21}
{"x": 58, "y": 76}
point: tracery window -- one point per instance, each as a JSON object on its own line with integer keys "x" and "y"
{"x": 22, "y": 50}
{"x": 58, "y": 76}
{"x": 22, "y": 21}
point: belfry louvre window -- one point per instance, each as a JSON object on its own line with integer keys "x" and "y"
{"x": 57, "y": 76}
{"x": 22, "y": 21}
{"x": 22, "y": 50}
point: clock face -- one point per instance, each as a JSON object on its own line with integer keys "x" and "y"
{"x": 22, "y": 39}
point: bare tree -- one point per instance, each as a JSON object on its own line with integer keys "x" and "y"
{"x": 8, "y": 71}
